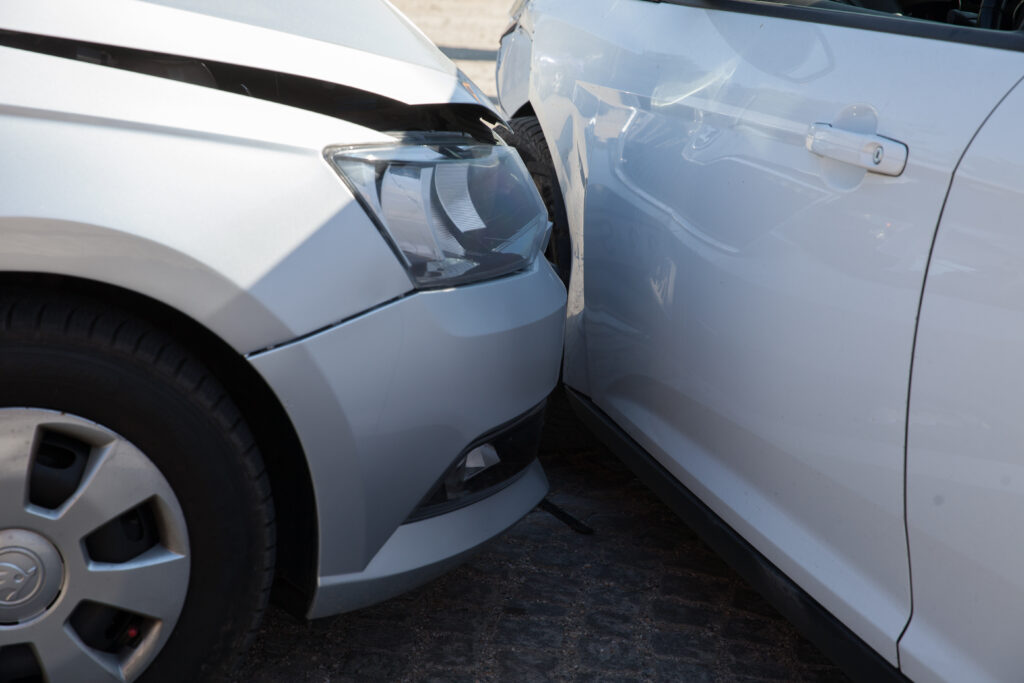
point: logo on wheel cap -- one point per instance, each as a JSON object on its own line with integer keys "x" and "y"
{"x": 20, "y": 576}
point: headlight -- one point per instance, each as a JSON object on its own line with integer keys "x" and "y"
{"x": 454, "y": 210}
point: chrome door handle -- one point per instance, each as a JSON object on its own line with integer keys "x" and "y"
{"x": 873, "y": 152}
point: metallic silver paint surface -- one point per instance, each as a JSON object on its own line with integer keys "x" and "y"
{"x": 965, "y": 464}
{"x": 512, "y": 67}
{"x": 380, "y": 29}
{"x": 264, "y": 43}
{"x": 218, "y": 205}
{"x": 223, "y": 207}
{"x": 420, "y": 551}
{"x": 384, "y": 403}
{"x": 742, "y": 307}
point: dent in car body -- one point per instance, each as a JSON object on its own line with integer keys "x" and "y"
{"x": 747, "y": 308}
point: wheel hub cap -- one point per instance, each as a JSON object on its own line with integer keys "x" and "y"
{"x": 94, "y": 552}
{"x": 31, "y": 575}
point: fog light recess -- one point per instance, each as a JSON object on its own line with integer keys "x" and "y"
{"x": 489, "y": 464}
{"x": 468, "y": 466}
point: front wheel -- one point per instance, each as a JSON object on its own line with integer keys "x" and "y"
{"x": 136, "y": 526}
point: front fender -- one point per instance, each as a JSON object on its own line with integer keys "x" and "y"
{"x": 217, "y": 205}
{"x": 513, "y": 70}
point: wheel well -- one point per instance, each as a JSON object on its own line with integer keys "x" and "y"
{"x": 283, "y": 456}
{"x": 525, "y": 110}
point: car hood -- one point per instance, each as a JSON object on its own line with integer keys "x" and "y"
{"x": 364, "y": 44}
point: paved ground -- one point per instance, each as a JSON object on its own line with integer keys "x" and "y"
{"x": 465, "y": 30}
{"x": 639, "y": 600}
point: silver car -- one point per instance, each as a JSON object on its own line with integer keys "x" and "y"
{"x": 271, "y": 314}
{"x": 796, "y": 304}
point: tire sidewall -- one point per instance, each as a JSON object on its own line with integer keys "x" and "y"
{"x": 199, "y": 457}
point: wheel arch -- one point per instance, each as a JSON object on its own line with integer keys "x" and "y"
{"x": 283, "y": 455}
{"x": 525, "y": 110}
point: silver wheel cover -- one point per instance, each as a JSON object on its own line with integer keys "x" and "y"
{"x": 45, "y": 570}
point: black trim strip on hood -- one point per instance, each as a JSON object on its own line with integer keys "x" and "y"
{"x": 323, "y": 97}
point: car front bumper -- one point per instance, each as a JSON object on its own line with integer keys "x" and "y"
{"x": 420, "y": 551}
{"x": 386, "y": 402}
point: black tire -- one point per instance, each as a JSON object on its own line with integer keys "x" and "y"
{"x": 79, "y": 356}
{"x": 528, "y": 139}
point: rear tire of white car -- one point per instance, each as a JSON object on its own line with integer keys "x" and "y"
{"x": 135, "y": 512}
{"x": 528, "y": 139}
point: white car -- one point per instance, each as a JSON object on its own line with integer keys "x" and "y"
{"x": 271, "y": 307}
{"x": 796, "y": 298}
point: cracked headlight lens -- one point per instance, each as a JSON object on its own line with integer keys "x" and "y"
{"x": 454, "y": 210}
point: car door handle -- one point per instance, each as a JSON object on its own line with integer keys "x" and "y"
{"x": 873, "y": 152}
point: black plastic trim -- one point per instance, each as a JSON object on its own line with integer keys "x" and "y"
{"x": 323, "y": 97}
{"x": 816, "y": 623}
{"x": 854, "y": 17}
{"x": 530, "y": 421}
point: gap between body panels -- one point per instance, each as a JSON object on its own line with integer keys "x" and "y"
{"x": 913, "y": 355}
{"x": 303, "y": 337}
{"x": 322, "y": 97}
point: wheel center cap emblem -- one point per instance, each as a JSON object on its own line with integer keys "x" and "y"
{"x": 21, "y": 574}
{"x": 31, "y": 575}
